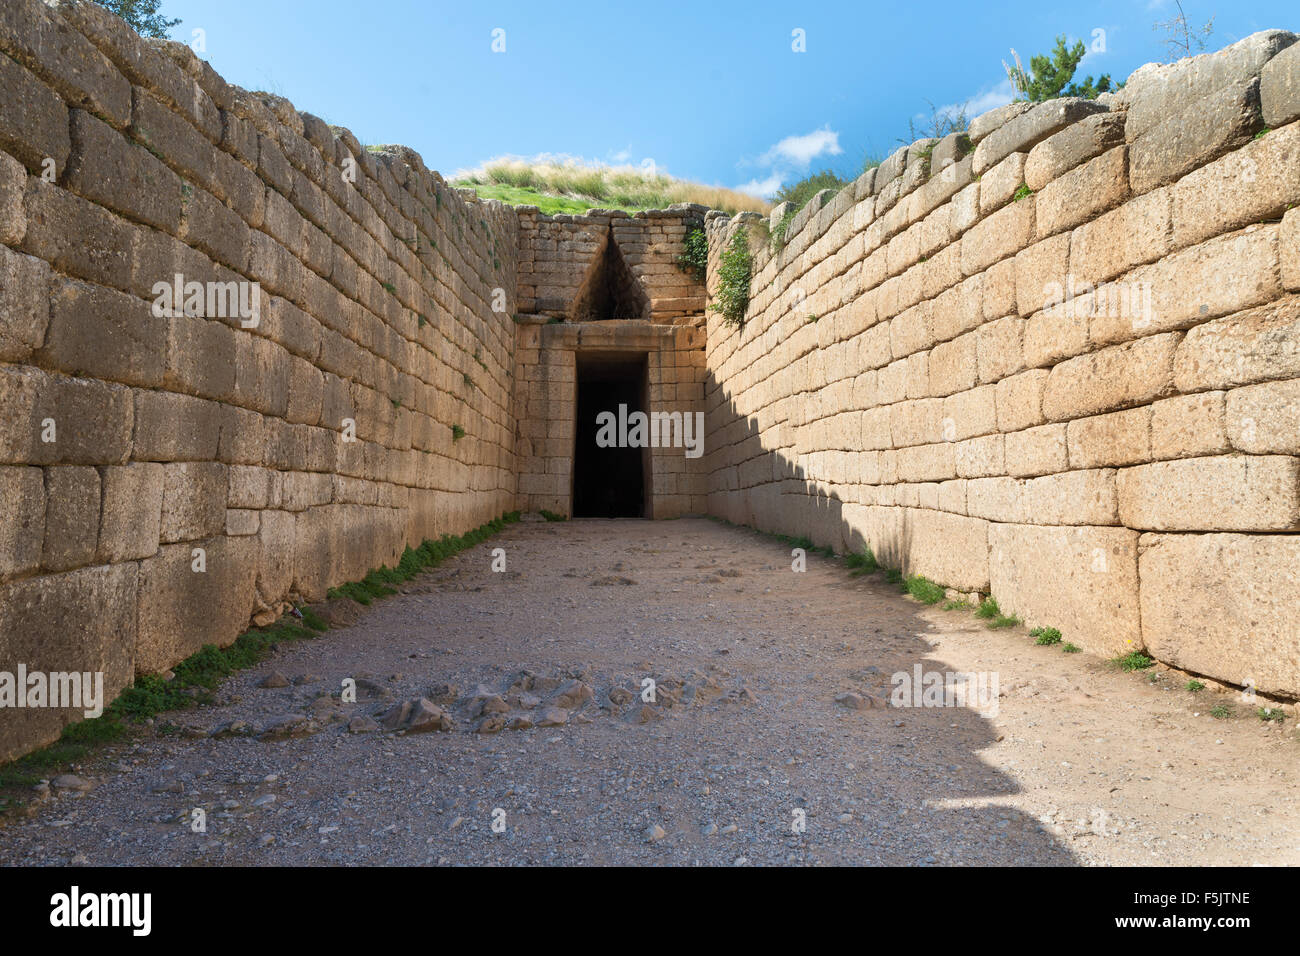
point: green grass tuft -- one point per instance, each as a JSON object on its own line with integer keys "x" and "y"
{"x": 923, "y": 589}
{"x": 864, "y": 563}
{"x": 1194, "y": 686}
{"x": 1132, "y": 661}
{"x": 1046, "y": 636}
{"x": 1071, "y": 648}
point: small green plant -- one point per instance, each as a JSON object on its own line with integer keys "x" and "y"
{"x": 1220, "y": 711}
{"x": 956, "y": 606}
{"x": 894, "y": 576}
{"x": 860, "y": 564}
{"x": 422, "y": 321}
{"x": 1132, "y": 661}
{"x": 780, "y": 230}
{"x": 457, "y": 433}
{"x": 465, "y": 377}
{"x": 1262, "y": 133}
{"x": 732, "y": 297}
{"x": 1022, "y": 193}
{"x": 397, "y": 402}
{"x": 1194, "y": 686}
{"x": 1003, "y": 620}
{"x": 552, "y": 516}
{"x": 1071, "y": 648}
{"x": 694, "y": 260}
{"x": 923, "y": 589}
{"x": 1270, "y": 714}
{"x": 389, "y": 287}
{"x": 1045, "y": 636}
{"x": 989, "y": 608}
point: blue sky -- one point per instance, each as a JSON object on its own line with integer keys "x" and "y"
{"x": 709, "y": 90}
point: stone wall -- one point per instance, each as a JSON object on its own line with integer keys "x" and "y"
{"x": 560, "y": 256}
{"x": 546, "y": 397}
{"x": 1057, "y": 360}
{"x": 165, "y": 478}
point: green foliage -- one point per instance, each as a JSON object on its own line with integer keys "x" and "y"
{"x": 552, "y": 516}
{"x": 142, "y": 15}
{"x": 894, "y": 576}
{"x": 1269, "y": 714}
{"x": 798, "y": 193}
{"x": 1022, "y": 192}
{"x": 864, "y": 563}
{"x": 1049, "y": 76}
{"x": 923, "y": 589}
{"x": 1046, "y": 636}
{"x": 1194, "y": 686}
{"x": 989, "y": 608}
{"x": 1132, "y": 661}
{"x": 1071, "y": 648}
{"x": 1220, "y": 711}
{"x": 457, "y": 433}
{"x": 956, "y": 606}
{"x": 780, "y": 229}
{"x": 732, "y": 297}
{"x": 694, "y": 261}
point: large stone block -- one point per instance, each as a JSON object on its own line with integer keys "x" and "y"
{"x": 182, "y": 608}
{"x": 194, "y": 500}
{"x": 1223, "y": 605}
{"x": 1120, "y": 438}
{"x": 104, "y": 334}
{"x": 1115, "y": 377}
{"x": 1258, "y": 345}
{"x": 1091, "y": 594}
{"x": 949, "y": 549}
{"x": 1111, "y": 244}
{"x": 1029, "y": 129}
{"x": 80, "y": 621}
{"x": 1073, "y": 146}
{"x": 1265, "y": 419}
{"x": 50, "y": 419}
{"x": 173, "y": 427}
{"x": 22, "y": 533}
{"x": 24, "y": 304}
{"x": 1206, "y": 129}
{"x": 1254, "y": 184}
{"x": 33, "y": 120}
{"x": 107, "y": 169}
{"x": 130, "y": 523}
{"x": 1158, "y": 91}
{"x": 1279, "y": 87}
{"x": 13, "y": 184}
{"x": 1189, "y": 426}
{"x": 71, "y": 517}
{"x": 1079, "y": 195}
{"x": 1223, "y": 493}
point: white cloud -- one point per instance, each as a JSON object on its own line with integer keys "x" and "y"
{"x": 790, "y": 159}
{"x": 762, "y": 187}
{"x": 990, "y": 97}
{"x": 802, "y": 150}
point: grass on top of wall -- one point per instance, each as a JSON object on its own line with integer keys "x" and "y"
{"x": 195, "y": 678}
{"x": 630, "y": 188}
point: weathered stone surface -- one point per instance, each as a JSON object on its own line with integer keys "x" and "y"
{"x": 1113, "y": 378}
{"x": 107, "y": 169}
{"x": 24, "y": 303}
{"x": 194, "y": 500}
{"x": 13, "y": 217}
{"x": 72, "y": 513}
{"x": 182, "y": 608}
{"x": 1253, "y": 346}
{"x": 83, "y": 620}
{"x": 1224, "y": 493}
{"x": 986, "y": 123}
{"x": 130, "y": 524}
{"x": 1027, "y": 130}
{"x": 1236, "y": 623}
{"x": 1189, "y": 426}
{"x": 1264, "y": 419}
{"x": 22, "y": 495}
{"x": 1157, "y": 91}
{"x": 1091, "y": 596}
{"x": 1073, "y": 146}
{"x": 1206, "y": 129}
{"x": 1082, "y": 193}
{"x": 1279, "y": 87}
{"x": 33, "y": 120}
{"x": 1120, "y": 438}
{"x": 947, "y": 548}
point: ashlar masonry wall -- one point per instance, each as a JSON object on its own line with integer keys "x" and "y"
{"x": 165, "y": 478}
{"x": 1057, "y": 359}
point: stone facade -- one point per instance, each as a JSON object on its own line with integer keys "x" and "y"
{"x": 1056, "y": 359}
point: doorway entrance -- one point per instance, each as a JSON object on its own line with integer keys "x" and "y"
{"x": 610, "y": 482}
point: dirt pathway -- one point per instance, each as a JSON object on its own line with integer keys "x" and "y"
{"x": 745, "y": 740}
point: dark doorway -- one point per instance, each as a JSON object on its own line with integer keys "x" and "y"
{"x": 609, "y": 482}
{"x": 609, "y": 290}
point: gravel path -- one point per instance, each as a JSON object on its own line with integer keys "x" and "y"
{"x": 744, "y": 742}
